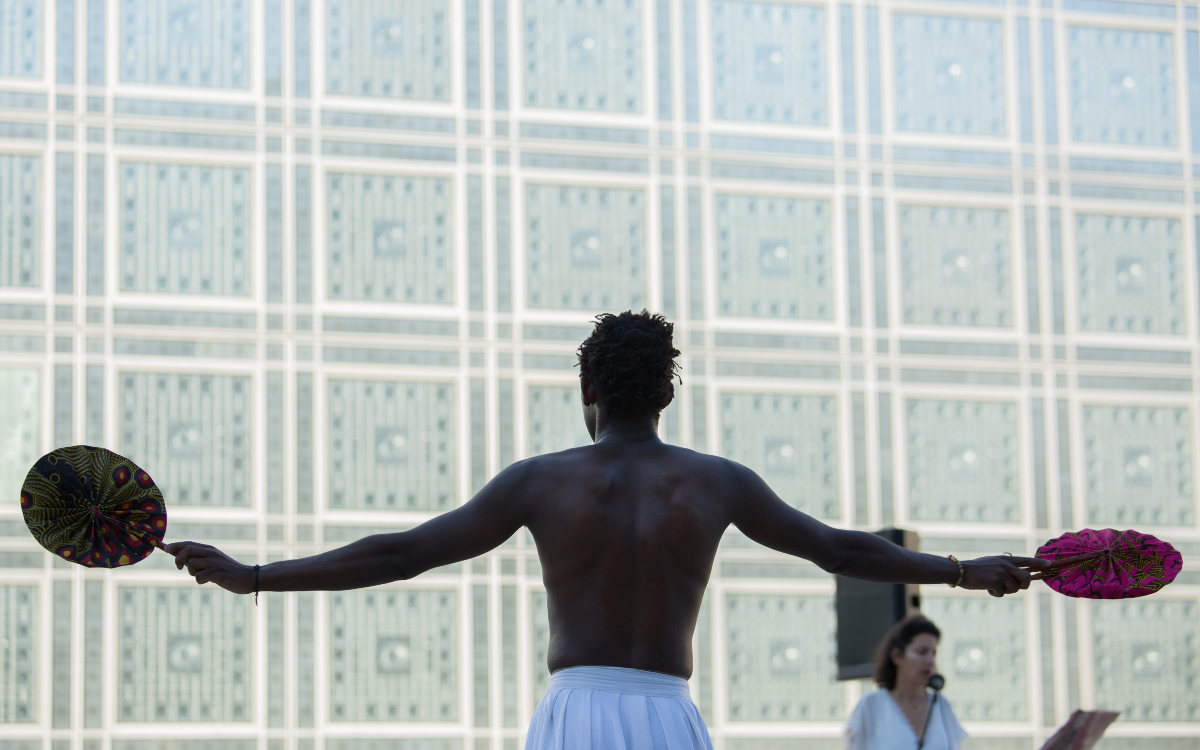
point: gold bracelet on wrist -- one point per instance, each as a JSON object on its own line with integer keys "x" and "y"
{"x": 957, "y": 583}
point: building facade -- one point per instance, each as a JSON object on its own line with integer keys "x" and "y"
{"x": 320, "y": 267}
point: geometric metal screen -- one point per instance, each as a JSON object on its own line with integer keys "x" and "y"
{"x": 321, "y": 269}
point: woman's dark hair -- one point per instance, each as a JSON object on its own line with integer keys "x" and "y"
{"x": 901, "y": 634}
{"x": 630, "y": 360}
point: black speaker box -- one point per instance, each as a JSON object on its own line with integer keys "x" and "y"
{"x": 866, "y": 610}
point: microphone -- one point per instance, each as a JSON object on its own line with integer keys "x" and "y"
{"x": 937, "y": 682}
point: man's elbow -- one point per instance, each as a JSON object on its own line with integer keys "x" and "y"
{"x": 393, "y": 557}
{"x": 402, "y": 567}
{"x": 837, "y": 554}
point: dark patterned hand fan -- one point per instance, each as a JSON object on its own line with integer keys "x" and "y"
{"x": 91, "y": 506}
{"x": 1109, "y": 564}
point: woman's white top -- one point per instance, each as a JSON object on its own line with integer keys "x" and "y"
{"x": 878, "y": 724}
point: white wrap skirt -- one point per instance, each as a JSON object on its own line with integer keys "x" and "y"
{"x": 612, "y": 708}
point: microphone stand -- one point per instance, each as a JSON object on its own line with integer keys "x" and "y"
{"x": 937, "y": 682}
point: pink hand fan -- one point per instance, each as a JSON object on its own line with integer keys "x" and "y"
{"x": 1109, "y": 564}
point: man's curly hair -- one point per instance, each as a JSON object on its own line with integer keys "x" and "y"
{"x": 630, "y": 360}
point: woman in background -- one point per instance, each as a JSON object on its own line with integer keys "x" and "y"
{"x": 894, "y": 717}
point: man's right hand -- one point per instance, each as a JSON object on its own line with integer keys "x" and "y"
{"x": 1000, "y": 574}
{"x": 207, "y": 563}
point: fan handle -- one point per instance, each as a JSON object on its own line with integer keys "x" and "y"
{"x": 1064, "y": 562}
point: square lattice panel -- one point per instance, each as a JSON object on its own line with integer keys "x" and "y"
{"x": 21, "y": 39}
{"x": 949, "y": 75}
{"x": 185, "y": 229}
{"x": 191, "y": 432}
{"x": 1122, "y": 86}
{"x": 389, "y": 238}
{"x": 963, "y": 461}
{"x": 769, "y": 63}
{"x": 586, "y": 247}
{"x": 779, "y": 671}
{"x": 923, "y": 259}
{"x": 199, "y": 643}
{"x": 19, "y": 423}
{"x": 982, "y": 654}
{"x": 1147, "y": 659}
{"x": 198, "y": 43}
{"x": 20, "y": 222}
{"x": 18, "y": 654}
{"x": 387, "y": 49}
{"x": 773, "y": 257}
{"x": 956, "y": 266}
{"x": 583, "y": 55}
{"x": 791, "y": 440}
{"x": 1130, "y": 274}
{"x": 1139, "y": 465}
{"x": 391, "y": 445}
{"x": 393, "y": 655}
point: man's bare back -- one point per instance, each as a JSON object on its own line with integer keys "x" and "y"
{"x": 626, "y": 533}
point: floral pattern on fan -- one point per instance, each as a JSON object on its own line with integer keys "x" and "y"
{"x": 1115, "y": 564}
{"x": 93, "y": 507}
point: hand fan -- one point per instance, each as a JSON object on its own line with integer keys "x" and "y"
{"x": 1109, "y": 564}
{"x": 93, "y": 507}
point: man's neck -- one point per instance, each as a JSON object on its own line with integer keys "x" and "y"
{"x": 626, "y": 431}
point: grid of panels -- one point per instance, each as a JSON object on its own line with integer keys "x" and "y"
{"x": 21, "y": 36}
{"x": 956, "y": 266}
{"x": 1139, "y": 465}
{"x": 586, "y": 247}
{"x": 963, "y": 461}
{"x": 389, "y": 238}
{"x": 777, "y": 671}
{"x": 20, "y": 224}
{"x": 1130, "y": 274}
{"x": 201, "y": 642}
{"x": 18, "y": 607}
{"x": 391, "y": 445}
{"x": 1144, "y": 659}
{"x": 985, "y": 202}
{"x": 20, "y": 437}
{"x": 774, "y": 257}
{"x": 196, "y": 427}
{"x": 172, "y": 43}
{"x": 583, "y": 55}
{"x": 949, "y": 75}
{"x": 393, "y": 656}
{"x": 185, "y": 229}
{"x": 770, "y": 63}
{"x": 387, "y": 50}
{"x": 1122, "y": 86}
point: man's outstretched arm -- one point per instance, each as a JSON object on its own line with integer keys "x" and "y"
{"x": 761, "y": 515}
{"x": 491, "y": 517}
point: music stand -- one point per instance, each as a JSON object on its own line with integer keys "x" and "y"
{"x": 1081, "y": 731}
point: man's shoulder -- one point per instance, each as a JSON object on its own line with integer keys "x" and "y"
{"x": 725, "y": 468}
{"x": 717, "y": 473}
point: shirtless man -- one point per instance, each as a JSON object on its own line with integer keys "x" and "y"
{"x": 626, "y": 530}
